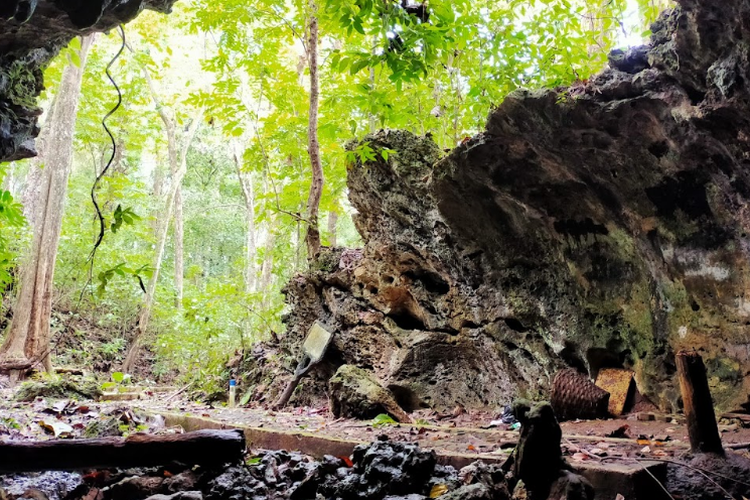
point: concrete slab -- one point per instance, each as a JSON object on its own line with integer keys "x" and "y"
{"x": 638, "y": 481}
{"x": 120, "y": 396}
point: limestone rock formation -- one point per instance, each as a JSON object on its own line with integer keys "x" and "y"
{"x": 602, "y": 225}
{"x": 31, "y": 33}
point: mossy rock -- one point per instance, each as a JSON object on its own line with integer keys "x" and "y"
{"x": 357, "y": 393}
{"x": 59, "y": 388}
{"x": 103, "y": 428}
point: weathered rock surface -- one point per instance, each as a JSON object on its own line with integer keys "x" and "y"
{"x": 31, "y": 33}
{"x": 356, "y": 393}
{"x": 602, "y": 225}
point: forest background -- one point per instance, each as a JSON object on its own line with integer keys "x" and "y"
{"x": 231, "y": 111}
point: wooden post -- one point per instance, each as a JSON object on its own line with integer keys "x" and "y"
{"x": 205, "y": 447}
{"x": 698, "y": 406}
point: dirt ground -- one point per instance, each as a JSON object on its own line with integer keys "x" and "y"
{"x": 469, "y": 435}
{"x": 466, "y": 432}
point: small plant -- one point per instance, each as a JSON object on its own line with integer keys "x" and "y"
{"x": 382, "y": 420}
{"x": 9, "y": 423}
{"x": 119, "y": 380}
{"x": 111, "y": 349}
{"x": 366, "y": 153}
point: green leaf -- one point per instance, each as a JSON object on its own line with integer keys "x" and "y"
{"x": 75, "y": 58}
{"x": 382, "y": 420}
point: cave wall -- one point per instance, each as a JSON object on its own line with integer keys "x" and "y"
{"x": 31, "y": 33}
{"x": 605, "y": 224}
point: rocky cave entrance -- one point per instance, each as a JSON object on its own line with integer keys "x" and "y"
{"x": 590, "y": 229}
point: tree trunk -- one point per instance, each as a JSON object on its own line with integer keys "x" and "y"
{"x": 372, "y": 119}
{"x": 145, "y": 315}
{"x": 312, "y": 238}
{"x": 266, "y": 272}
{"x": 158, "y": 189}
{"x": 699, "y": 408}
{"x": 211, "y": 448}
{"x": 248, "y": 196}
{"x": 32, "y": 191}
{"x": 333, "y": 218}
{"x": 178, "y": 167}
{"x": 30, "y": 329}
{"x": 179, "y": 248}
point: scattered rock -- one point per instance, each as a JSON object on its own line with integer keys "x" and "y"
{"x": 237, "y": 483}
{"x": 182, "y": 495}
{"x": 55, "y": 485}
{"x": 133, "y": 487}
{"x": 384, "y": 469}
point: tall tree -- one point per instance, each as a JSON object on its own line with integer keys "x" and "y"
{"x": 312, "y": 237}
{"x": 248, "y": 196}
{"x": 29, "y": 334}
{"x": 177, "y": 154}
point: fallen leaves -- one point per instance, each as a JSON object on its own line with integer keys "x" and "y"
{"x": 58, "y": 429}
{"x": 622, "y": 432}
{"x": 438, "y": 490}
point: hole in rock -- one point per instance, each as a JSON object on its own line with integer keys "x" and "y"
{"x": 406, "y": 321}
{"x": 686, "y": 191}
{"x": 467, "y": 323}
{"x": 578, "y": 229}
{"x": 433, "y": 282}
{"x": 571, "y": 357}
{"x": 695, "y": 95}
{"x": 510, "y": 346}
{"x": 659, "y": 149}
{"x": 406, "y": 398}
{"x": 599, "y": 358}
{"x": 515, "y": 325}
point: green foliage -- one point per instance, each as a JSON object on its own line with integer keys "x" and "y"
{"x": 11, "y": 217}
{"x": 9, "y": 423}
{"x": 382, "y": 420}
{"x": 120, "y": 217}
{"x": 118, "y": 383}
{"x": 123, "y": 270}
